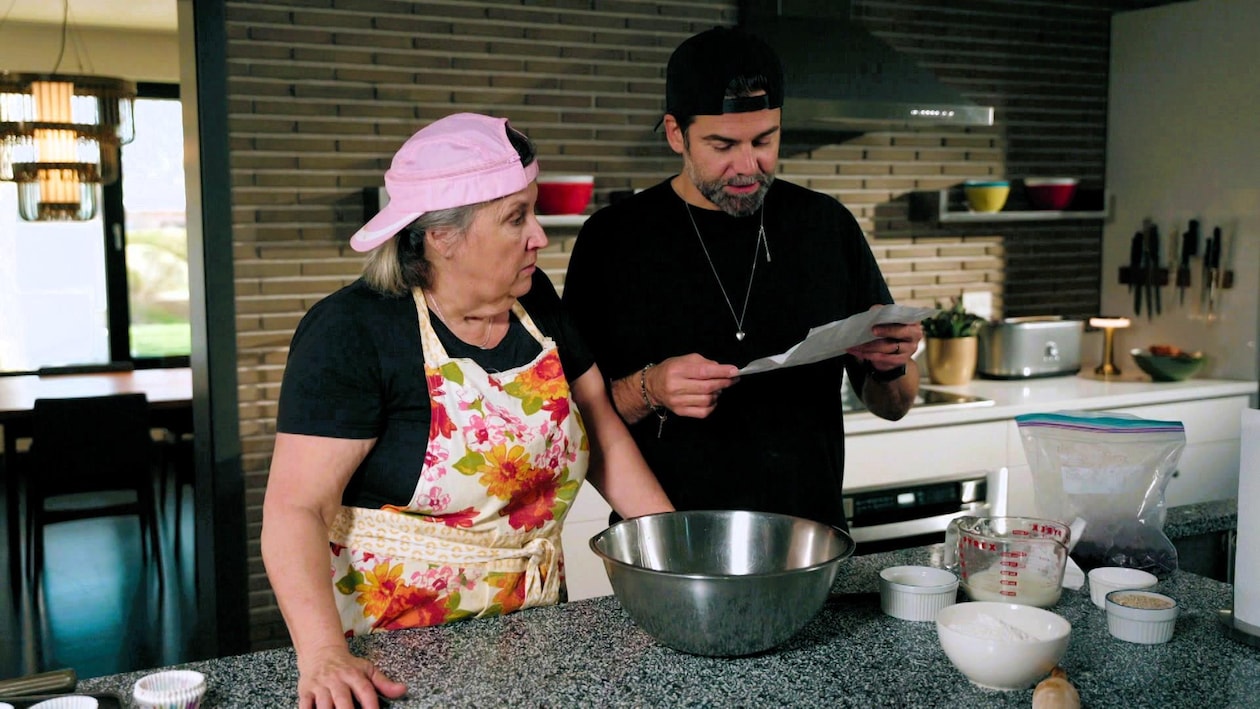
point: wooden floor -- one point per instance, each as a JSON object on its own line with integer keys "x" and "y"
{"x": 101, "y": 606}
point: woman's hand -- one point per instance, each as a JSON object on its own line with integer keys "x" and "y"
{"x": 332, "y": 677}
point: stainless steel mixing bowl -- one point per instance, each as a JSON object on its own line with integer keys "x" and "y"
{"x": 719, "y": 582}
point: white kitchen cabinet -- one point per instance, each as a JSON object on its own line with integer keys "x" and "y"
{"x": 876, "y": 460}
{"x": 584, "y": 571}
{"x": 1208, "y": 469}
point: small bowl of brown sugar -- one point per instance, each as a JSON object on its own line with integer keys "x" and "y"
{"x": 1143, "y": 617}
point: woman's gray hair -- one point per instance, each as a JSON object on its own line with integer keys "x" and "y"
{"x": 399, "y": 265}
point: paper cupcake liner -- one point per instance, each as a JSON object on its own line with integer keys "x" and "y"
{"x": 170, "y": 689}
{"x": 71, "y": 701}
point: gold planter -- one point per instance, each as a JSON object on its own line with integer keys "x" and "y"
{"x": 952, "y": 360}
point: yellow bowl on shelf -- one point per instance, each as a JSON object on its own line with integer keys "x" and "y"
{"x": 986, "y": 195}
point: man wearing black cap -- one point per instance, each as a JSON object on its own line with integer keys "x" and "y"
{"x": 680, "y": 285}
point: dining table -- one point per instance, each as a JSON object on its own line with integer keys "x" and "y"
{"x": 169, "y": 391}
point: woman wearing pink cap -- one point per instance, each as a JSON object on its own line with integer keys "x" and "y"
{"x": 433, "y": 417}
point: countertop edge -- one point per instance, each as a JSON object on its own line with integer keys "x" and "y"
{"x": 1017, "y": 397}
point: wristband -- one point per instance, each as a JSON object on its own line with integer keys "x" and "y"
{"x": 885, "y": 376}
{"x": 661, "y": 412}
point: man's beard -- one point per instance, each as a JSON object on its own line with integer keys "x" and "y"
{"x": 733, "y": 204}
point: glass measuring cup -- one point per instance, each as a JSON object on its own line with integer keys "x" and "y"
{"x": 1008, "y": 559}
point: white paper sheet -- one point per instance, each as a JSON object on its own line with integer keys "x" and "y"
{"x": 832, "y": 339}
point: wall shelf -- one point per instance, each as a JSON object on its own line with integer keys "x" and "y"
{"x": 949, "y": 206}
{"x": 562, "y": 220}
{"x": 375, "y": 198}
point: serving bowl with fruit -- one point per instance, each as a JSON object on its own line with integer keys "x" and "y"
{"x": 1168, "y": 363}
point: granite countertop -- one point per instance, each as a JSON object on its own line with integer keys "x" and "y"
{"x": 590, "y": 653}
{"x": 1201, "y": 518}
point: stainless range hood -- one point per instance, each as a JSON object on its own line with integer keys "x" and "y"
{"x": 842, "y": 77}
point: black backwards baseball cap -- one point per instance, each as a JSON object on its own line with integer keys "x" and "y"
{"x": 702, "y": 67}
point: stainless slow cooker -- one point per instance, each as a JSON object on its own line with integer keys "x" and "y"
{"x": 1023, "y": 348}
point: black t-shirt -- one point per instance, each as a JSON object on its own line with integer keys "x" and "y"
{"x": 641, "y": 289}
{"x": 356, "y": 370}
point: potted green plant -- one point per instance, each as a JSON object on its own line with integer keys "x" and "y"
{"x": 951, "y": 344}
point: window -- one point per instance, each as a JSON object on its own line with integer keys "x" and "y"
{"x": 114, "y": 288}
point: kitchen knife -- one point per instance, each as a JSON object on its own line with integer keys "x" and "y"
{"x": 1152, "y": 271}
{"x": 1135, "y": 270}
{"x": 1204, "y": 288}
{"x": 1227, "y": 263}
{"x": 1189, "y": 247}
{"x": 1213, "y": 259}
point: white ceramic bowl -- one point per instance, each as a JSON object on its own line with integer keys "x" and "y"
{"x": 916, "y": 592}
{"x": 1143, "y": 617}
{"x": 1002, "y": 645}
{"x": 1105, "y": 579}
{"x": 173, "y": 689}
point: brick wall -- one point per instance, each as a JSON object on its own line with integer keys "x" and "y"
{"x": 321, "y": 92}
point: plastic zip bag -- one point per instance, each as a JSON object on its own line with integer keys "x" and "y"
{"x": 1109, "y": 469}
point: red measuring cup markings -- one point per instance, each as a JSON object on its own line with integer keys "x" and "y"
{"x": 992, "y": 553}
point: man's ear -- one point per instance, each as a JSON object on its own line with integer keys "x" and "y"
{"x": 674, "y": 134}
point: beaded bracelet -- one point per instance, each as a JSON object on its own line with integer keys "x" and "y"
{"x": 661, "y": 412}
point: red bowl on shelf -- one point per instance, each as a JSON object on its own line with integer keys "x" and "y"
{"x": 1050, "y": 192}
{"x": 564, "y": 194}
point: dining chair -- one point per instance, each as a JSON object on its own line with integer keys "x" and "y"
{"x": 176, "y": 468}
{"x": 96, "y": 445}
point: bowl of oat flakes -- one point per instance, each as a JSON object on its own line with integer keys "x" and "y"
{"x": 1142, "y": 617}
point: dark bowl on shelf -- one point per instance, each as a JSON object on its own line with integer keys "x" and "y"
{"x": 1168, "y": 368}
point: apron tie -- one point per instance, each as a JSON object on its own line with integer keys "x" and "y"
{"x": 542, "y": 562}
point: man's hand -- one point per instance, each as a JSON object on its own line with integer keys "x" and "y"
{"x": 893, "y": 347}
{"x": 689, "y": 385}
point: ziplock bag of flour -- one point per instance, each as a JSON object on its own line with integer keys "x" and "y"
{"x": 1109, "y": 469}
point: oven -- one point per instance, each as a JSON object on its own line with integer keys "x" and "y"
{"x": 910, "y": 515}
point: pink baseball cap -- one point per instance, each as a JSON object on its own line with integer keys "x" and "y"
{"x": 462, "y": 159}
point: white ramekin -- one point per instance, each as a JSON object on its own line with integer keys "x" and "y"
{"x": 916, "y": 593}
{"x": 1146, "y": 626}
{"x": 1105, "y": 579}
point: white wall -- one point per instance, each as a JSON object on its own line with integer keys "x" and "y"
{"x": 1183, "y": 142}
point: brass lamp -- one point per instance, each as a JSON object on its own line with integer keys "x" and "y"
{"x": 1109, "y": 325}
{"x": 59, "y": 139}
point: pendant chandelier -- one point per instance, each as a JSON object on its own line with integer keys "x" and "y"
{"x": 59, "y": 138}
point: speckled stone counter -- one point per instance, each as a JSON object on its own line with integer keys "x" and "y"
{"x": 1201, "y": 518}
{"x": 589, "y": 653}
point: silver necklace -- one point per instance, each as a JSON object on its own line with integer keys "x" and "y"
{"x": 438, "y": 309}
{"x": 761, "y": 241}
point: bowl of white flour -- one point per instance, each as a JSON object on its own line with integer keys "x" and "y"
{"x": 1002, "y": 645}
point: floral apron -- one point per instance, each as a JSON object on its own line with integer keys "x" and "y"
{"x": 506, "y": 455}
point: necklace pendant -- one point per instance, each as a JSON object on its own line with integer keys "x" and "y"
{"x": 739, "y": 335}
